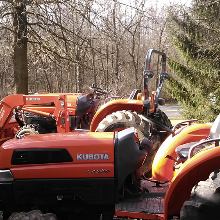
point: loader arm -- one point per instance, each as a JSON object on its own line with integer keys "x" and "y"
{"x": 33, "y": 103}
{"x": 6, "y": 109}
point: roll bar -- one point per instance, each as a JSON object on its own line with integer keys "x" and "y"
{"x": 149, "y": 74}
{"x": 209, "y": 141}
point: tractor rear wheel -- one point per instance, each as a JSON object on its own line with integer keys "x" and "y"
{"x": 125, "y": 119}
{"x": 204, "y": 202}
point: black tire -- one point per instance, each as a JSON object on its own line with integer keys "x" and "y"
{"x": 5, "y": 215}
{"x": 34, "y": 214}
{"x": 204, "y": 202}
{"x": 127, "y": 119}
{"x": 161, "y": 120}
{"x": 26, "y": 130}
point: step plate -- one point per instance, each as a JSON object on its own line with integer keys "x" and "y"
{"x": 147, "y": 205}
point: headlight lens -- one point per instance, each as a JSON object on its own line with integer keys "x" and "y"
{"x": 6, "y": 176}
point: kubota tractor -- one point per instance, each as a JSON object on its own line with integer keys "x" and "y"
{"x": 135, "y": 111}
{"x": 139, "y": 112}
{"x": 96, "y": 175}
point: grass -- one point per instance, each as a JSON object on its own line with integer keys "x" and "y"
{"x": 176, "y": 120}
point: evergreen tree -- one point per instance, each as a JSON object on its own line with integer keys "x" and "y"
{"x": 195, "y": 84}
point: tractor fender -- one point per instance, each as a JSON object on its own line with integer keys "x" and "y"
{"x": 196, "y": 169}
{"x": 162, "y": 167}
{"x": 114, "y": 106}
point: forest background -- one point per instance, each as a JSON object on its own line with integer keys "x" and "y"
{"x": 66, "y": 45}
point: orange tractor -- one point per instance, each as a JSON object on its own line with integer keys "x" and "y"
{"x": 139, "y": 112}
{"x": 185, "y": 177}
{"x": 136, "y": 111}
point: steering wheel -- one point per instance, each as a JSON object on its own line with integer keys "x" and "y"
{"x": 98, "y": 91}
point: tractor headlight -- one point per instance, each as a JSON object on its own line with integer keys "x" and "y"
{"x": 6, "y": 176}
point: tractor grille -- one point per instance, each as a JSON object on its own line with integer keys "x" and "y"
{"x": 40, "y": 156}
{"x": 90, "y": 190}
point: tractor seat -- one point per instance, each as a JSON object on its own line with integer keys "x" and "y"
{"x": 183, "y": 150}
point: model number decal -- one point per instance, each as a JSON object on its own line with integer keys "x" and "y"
{"x": 92, "y": 157}
{"x": 33, "y": 99}
{"x": 98, "y": 171}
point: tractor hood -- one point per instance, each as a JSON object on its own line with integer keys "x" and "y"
{"x": 74, "y": 155}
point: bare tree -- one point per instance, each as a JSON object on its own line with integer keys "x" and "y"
{"x": 66, "y": 46}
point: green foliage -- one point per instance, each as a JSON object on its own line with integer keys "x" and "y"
{"x": 195, "y": 81}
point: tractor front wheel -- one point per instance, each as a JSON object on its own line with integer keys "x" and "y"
{"x": 26, "y": 130}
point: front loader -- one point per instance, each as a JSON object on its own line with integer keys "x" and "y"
{"x": 42, "y": 113}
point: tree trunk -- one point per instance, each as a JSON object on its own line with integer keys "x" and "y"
{"x": 79, "y": 70}
{"x": 116, "y": 49}
{"x": 20, "y": 48}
